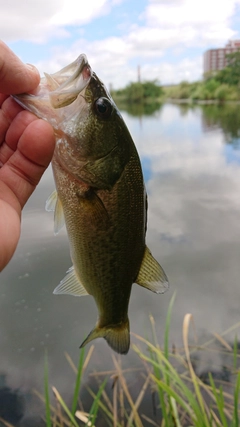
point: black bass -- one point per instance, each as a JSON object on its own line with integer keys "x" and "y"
{"x": 100, "y": 195}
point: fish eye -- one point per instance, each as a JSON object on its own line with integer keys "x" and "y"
{"x": 103, "y": 108}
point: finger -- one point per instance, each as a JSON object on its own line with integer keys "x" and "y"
{"x": 25, "y": 167}
{"x": 9, "y": 232}
{"x": 13, "y": 134}
{"x": 15, "y": 76}
{"x": 37, "y": 145}
{"x": 9, "y": 110}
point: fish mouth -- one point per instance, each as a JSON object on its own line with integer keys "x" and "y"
{"x": 69, "y": 82}
{"x": 57, "y": 90}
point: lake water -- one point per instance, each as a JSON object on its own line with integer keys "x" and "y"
{"x": 191, "y": 162}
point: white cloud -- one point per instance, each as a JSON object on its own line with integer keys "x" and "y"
{"x": 39, "y": 21}
{"x": 189, "y": 12}
{"x": 156, "y": 41}
{"x": 195, "y": 22}
{"x": 165, "y": 22}
{"x": 167, "y": 72}
{"x": 75, "y": 12}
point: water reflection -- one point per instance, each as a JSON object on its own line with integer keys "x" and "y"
{"x": 227, "y": 117}
{"x": 12, "y": 405}
{"x": 139, "y": 109}
{"x": 193, "y": 230}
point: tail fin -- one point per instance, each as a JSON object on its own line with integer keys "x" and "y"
{"x": 117, "y": 337}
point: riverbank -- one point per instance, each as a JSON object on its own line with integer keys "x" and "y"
{"x": 150, "y": 93}
{"x": 199, "y": 101}
{"x": 208, "y": 91}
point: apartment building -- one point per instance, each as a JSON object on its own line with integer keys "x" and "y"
{"x": 215, "y": 59}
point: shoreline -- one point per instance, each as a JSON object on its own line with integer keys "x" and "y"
{"x": 198, "y": 101}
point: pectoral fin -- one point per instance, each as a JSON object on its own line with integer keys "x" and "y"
{"x": 53, "y": 203}
{"x": 151, "y": 275}
{"x": 70, "y": 285}
{"x": 117, "y": 336}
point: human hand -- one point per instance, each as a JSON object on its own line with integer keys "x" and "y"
{"x": 26, "y": 149}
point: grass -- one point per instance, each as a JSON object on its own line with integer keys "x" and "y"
{"x": 46, "y": 390}
{"x": 182, "y": 398}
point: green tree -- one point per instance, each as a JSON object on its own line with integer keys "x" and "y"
{"x": 230, "y": 74}
{"x": 134, "y": 92}
{"x": 152, "y": 89}
{"x": 140, "y": 92}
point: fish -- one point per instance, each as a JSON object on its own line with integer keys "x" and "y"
{"x": 100, "y": 195}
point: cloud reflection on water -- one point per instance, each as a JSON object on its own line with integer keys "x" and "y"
{"x": 193, "y": 220}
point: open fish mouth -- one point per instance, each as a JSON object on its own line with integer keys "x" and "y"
{"x": 59, "y": 89}
{"x": 66, "y": 84}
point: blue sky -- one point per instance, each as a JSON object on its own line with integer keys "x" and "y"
{"x": 167, "y": 38}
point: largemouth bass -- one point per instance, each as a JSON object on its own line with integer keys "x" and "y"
{"x": 100, "y": 195}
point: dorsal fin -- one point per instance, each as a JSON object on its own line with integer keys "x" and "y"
{"x": 151, "y": 275}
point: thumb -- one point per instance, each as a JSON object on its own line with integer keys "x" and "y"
{"x": 15, "y": 76}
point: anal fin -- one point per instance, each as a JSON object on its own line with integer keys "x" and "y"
{"x": 70, "y": 285}
{"x": 151, "y": 275}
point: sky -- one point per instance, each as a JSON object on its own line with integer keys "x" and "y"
{"x": 165, "y": 38}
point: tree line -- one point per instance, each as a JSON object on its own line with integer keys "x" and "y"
{"x": 220, "y": 85}
{"x": 137, "y": 92}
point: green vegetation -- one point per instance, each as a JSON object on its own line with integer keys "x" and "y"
{"x": 182, "y": 397}
{"x": 139, "y": 92}
{"x": 139, "y": 98}
{"x": 231, "y": 74}
{"x": 208, "y": 90}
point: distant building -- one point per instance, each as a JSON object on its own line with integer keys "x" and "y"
{"x": 215, "y": 59}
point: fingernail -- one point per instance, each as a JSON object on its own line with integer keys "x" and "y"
{"x": 32, "y": 68}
